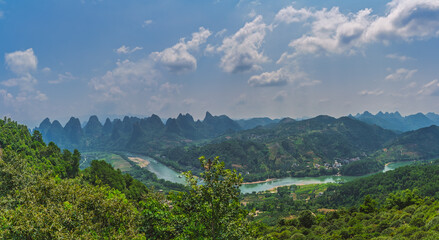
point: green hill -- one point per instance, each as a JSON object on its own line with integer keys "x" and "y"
{"x": 317, "y": 146}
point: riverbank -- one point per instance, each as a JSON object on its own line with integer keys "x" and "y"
{"x": 262, "y": 181}
{"x": 139, "y": 161}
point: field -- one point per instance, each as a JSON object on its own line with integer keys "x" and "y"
{"x": 115, "y": 160}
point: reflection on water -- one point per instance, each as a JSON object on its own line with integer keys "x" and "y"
{"x": 164, "y": 172}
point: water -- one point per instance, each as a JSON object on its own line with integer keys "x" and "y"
{"x": 161, "y": 170}
{"x": 164, "y": 172}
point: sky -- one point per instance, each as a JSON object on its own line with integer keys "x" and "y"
{"x": 242, "y": 58}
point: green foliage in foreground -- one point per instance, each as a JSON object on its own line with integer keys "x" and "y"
{"x": 405, "y": 215}
{"x": 212, "y": 206}
{"x": 423, "y": 177}
{"x": 43, "y": 195}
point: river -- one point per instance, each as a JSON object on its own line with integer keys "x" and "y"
{"x": 164, "y": 172}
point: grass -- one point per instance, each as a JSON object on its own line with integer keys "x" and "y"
{"x": 115, "y": 160}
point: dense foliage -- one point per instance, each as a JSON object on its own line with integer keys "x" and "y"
{"x": 422, "y": 177}
{"x": 404, "y": 215}
{"x": 43, "y": 195}
{"x": 313, "y": 147}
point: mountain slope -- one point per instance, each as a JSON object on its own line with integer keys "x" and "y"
{"x": 317, "y": 146}
{"x": 394, "y": 121}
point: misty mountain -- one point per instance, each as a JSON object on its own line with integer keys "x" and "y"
{"x": 396, "y": 122}
{"x": 255, "y": 122}
{"x": 133, "y": 133}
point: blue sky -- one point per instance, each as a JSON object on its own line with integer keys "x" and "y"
{"x": 242, "y": 58}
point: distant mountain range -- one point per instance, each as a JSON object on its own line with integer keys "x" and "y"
{"x": 260, "y": 147}
{"x": 394, "y": 121}
{"x": 146, "y": 133}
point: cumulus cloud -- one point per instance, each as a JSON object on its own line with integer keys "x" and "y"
{"x": 25, "y": 82}
{"x": 242, "y": 50}
{"x": 430, "y": 89}
{"x": 276, "y": 78}
{"x": 334, "y": 32}
{"x": 177, "y": 58}
{"x": 290, "y": 15}
{"x": 375, "y": 92}
{"x": 401, "y": 74}
{"x": 21, "y": 62}
{"x": 406, "y": 19}
{"x": 126, "y": 77}
{"x": 127, "y": 50}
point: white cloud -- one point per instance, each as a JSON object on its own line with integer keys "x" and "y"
{"x": 430, "y": 89}
{"x": 220, "y": 33}
{"x": 188, "y": 101}
{"x": 406, "y": 19}
{"x": 334, "y": 32}
{"x": 398, "y": 57}
{"x": 401, "y": 74}
{"x": 252, "y": 14}
{"x": 309, "y": 83}
{"x": 7, "y": 97}
{"x": 242, "y": 50}
{"x": 127, "y": 77}
{"x": 21, "y": 62}
{"x": 177, "y": 58}
{"x": 46, "y": 70}
{"x": 170, "y": 88}
{"x": 276, "y": 78}
{"x": 280, "y": 96}
{"x": 209, "y": 49}
{"x": 126, "y": 50}
{"x": 290, "y": 15}
{"x": 146, "y": 22}
{"x": 25, "y": 82}
{"x": 40, "y": 96}
{"x": 375, "y": 92}
{"x": 62, "y": 78}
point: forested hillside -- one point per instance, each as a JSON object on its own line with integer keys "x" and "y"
{"x": 44, "y": 195}
{"x": 419, "y": 144}
{"x": 318, "y": 146}
{"x": 313, "y": 147}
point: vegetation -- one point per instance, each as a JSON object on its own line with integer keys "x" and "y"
{"x": 405, "y": 215}
{"x": 314, "y": 147}
{"x": 422, "y": 177}
{"x": 44, "y": 195}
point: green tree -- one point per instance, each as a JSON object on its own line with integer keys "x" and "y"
{"x": 211, "y": 208}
